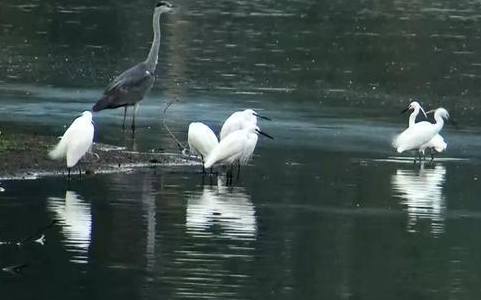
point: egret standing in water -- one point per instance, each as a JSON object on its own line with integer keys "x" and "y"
{"x": 76, "y": 141}
{"x": 237, "y": 147}
{"x": 201, "y": 140}
{"x": 130, "y": 87}
{"x": 420, "y": 133}
{"x": 239, "y": 120}
{"x": 436, "y": 143}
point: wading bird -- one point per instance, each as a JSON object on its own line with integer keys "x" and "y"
{"x": 130, "y": 87}
{"x": 75, "y": 142}
{"x": 420, "y": 133}
{"x": 436, "y": 143}
{"x": 201, "y": 140}
{"x": 239, "y": 120}
{"x": 237, "y": 147}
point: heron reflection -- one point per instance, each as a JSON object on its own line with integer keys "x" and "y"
{"x": 421, "y": 193}
{"x": 75, "y": 216}
{"x": 228, "y": 210}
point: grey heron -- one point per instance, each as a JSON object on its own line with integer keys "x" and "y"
{"x": 130, "y": 87}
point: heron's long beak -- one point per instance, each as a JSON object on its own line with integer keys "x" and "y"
{"x": 264, "y": 134}
{"x": 262, "y": 117}
{"x": 405, "y": 110}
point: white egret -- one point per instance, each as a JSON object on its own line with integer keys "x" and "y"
{"x": 239, "y": 120}
{"x": 76, "y": 141}
{"x": 416, "y": 107}
{"x": 201, "y": 140}
{"x": 237, "y": 147}
{"x": 436, "y": 143}
{"x": 420, "y": 133}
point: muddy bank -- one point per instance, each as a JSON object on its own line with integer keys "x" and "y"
{"x": 26, "y": 156}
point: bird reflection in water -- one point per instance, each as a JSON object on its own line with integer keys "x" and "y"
{"x": 75, "y": 217}
{"x": 227, "y": 209}
{"x": 421, "y": 193}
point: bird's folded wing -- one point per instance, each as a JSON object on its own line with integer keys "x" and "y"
{"x": 128, "y": 79}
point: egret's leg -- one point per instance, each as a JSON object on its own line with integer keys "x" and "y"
{"x": 136, "y": 107}
{"x": 68, "y": 173}
{"x": 238, "y": 171}
{"x": 432, "y": 155}
{"x": 203, "y": 168}
{"x": 125, "y": 115}
{"x": 79, "y": 170}
{"x": 227, "y": 175}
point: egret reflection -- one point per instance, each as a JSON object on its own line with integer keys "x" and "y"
{"x": 75, "y": 216}
{"x": 421, "y": 191}
{"x": 229, "y": 209}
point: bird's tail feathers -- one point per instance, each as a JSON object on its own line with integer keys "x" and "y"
{"x": 59, "y": 151}
{"x": 209, "y": 161}
{"x": 102, "y": 103}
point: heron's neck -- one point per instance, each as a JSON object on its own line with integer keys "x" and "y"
{"x": 151, "y": 60}
{"x": 412, "y": 117}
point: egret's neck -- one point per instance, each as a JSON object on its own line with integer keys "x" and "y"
{"x": 151, "y": 60}
{"x": 439, "y": 121}
{"x": 412, "y": 117}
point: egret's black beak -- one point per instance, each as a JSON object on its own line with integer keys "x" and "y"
{"x": 405, "y": 110}
{"x": 264, "y": 134}
{"x": 262, "y": 117}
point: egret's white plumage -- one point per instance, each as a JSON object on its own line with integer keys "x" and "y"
{"x": 416, "y": 107}
{"x": 420, "y": 133}
{"x": 76, "y": 140}
{"x": 437, "y": 142}
{"x": 201, "y": 139}
{"x": 236, "y": 147}
{"x": 239, "y": 120}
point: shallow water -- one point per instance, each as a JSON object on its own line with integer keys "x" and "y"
{"x": 326, "y": 210}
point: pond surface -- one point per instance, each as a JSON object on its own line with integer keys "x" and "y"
{"x": 326, "y": 210}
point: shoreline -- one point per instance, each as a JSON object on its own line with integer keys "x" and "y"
{"x": 25, "y": 156}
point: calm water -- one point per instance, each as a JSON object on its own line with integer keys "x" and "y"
{"x": 326, "y": 210}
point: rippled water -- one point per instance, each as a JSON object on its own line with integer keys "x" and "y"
{"x": 326, "y": 210}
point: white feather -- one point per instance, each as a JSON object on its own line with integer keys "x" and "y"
{"x": 420, "y": 133}
{"x": 237, "y": 121}
{"x": 201, "y": 139}
{"x": 76, "y": 140}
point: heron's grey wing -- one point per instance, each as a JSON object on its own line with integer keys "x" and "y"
{"x": 132, "y": 77}
{"x": 126, "y": 89}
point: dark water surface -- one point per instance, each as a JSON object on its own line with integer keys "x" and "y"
{"x": 326, "y": 210}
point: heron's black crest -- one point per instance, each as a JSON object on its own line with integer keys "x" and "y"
{"x": 163, "y": 3}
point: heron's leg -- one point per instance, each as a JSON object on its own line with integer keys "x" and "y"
{"x": 68, "y": 173}
{"x": 203, "y": 168}
{"x": 432, "y": 155}
{"x": 125, "y": 115}
{"x": 79, "y": 170}
{"x": 238, "y": 171}
{"x": 136, "y": 107}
